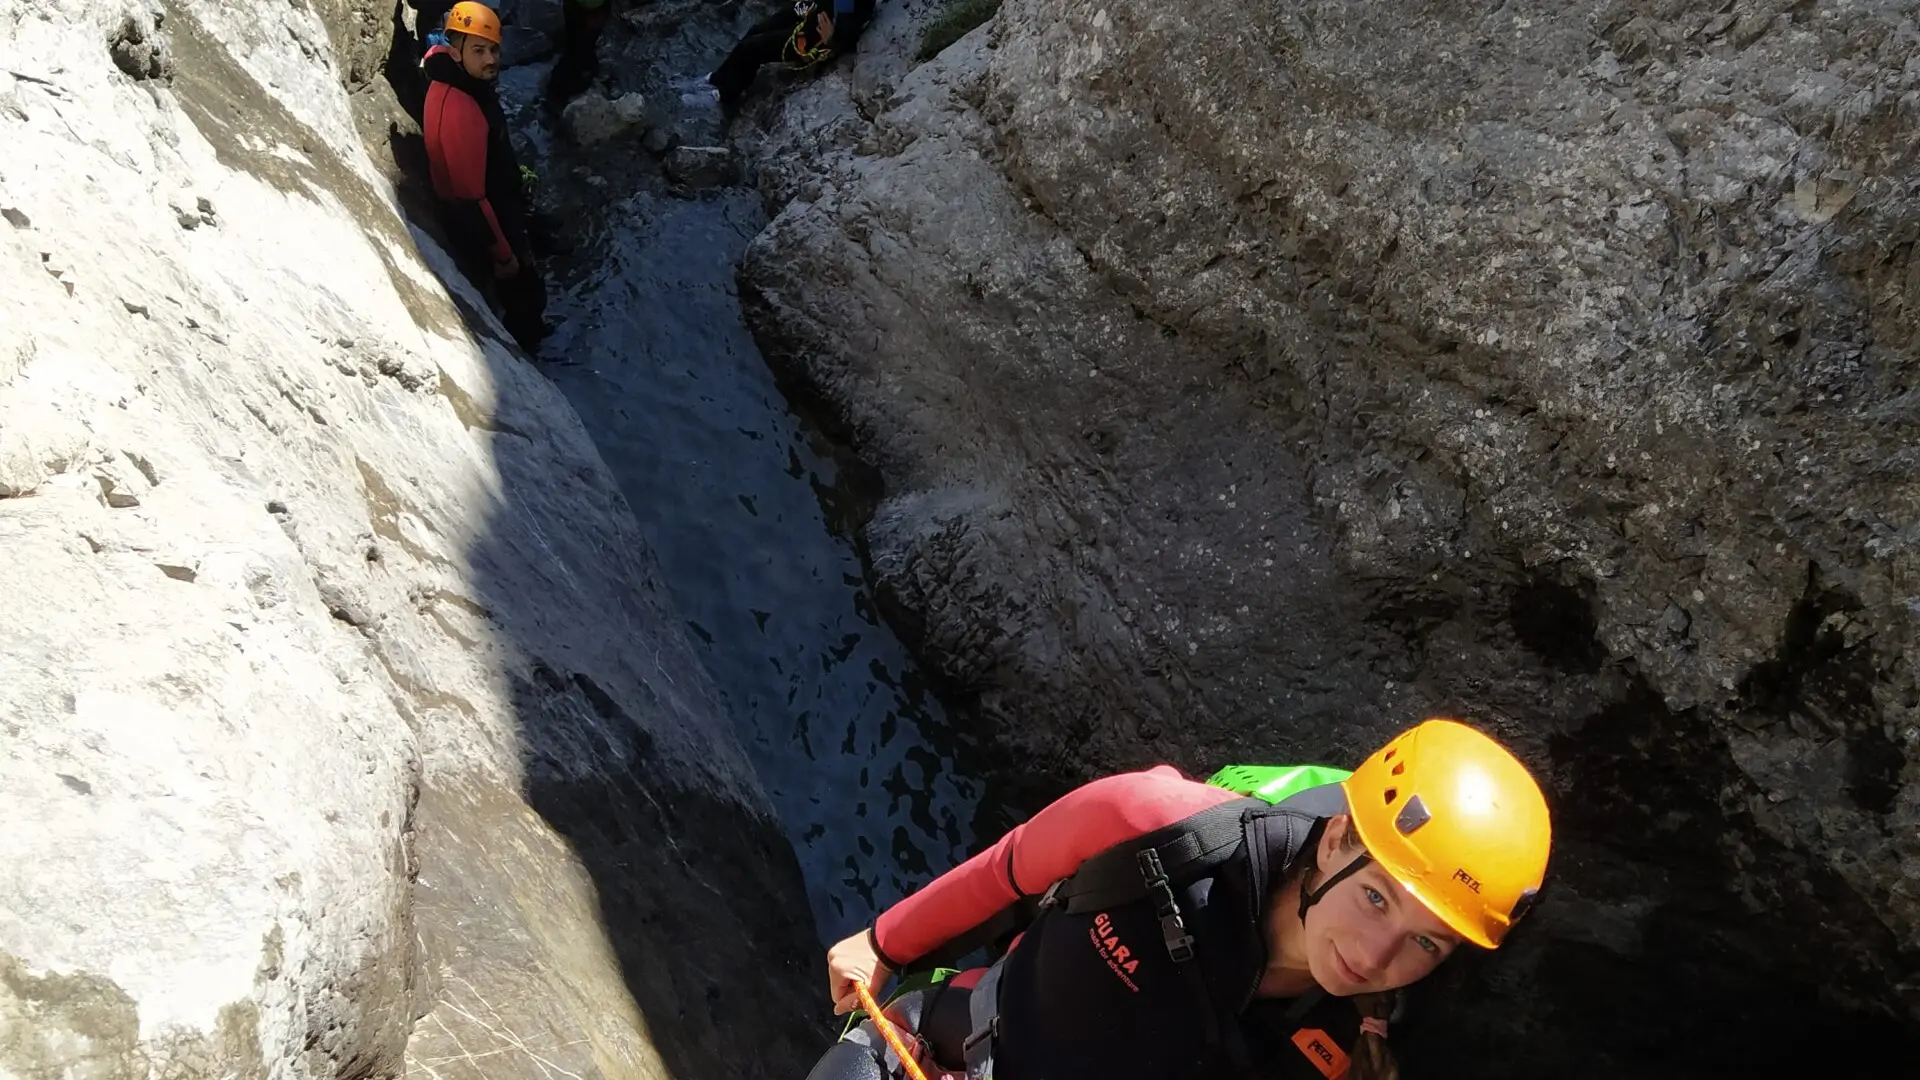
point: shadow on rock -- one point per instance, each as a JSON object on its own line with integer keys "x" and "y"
{"x": 672, "y": 936}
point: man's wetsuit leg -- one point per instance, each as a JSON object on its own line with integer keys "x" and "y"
{"x": 764, "y": 44}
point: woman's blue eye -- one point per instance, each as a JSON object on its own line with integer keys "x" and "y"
{"x": 1373, "y": 896}
{"x": 1427, "y": 943}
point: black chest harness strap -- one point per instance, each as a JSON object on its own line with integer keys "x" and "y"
{"x": 1146, "y": 868}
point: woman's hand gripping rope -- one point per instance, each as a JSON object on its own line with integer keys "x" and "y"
{"x": 888, "y": 1031}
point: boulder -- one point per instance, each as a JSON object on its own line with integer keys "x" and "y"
{"x": 703, "y": 166}
{"x": 593, "y": 118}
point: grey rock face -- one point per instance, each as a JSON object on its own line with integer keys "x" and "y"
{"x": 345, "y": 731}
{"x": 1253, "y": 380}
{"x": 137, "y": 48}
{"x": 593, "y": 118}
{"x": 534, "y": 29}
{"x": 659, "y": 140}
{"x": 703, "y": 166}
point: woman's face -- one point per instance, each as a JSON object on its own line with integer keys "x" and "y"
{"x": 1368, "y": 934}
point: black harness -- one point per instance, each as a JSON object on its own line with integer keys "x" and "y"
{"x": 1154, "y": 868}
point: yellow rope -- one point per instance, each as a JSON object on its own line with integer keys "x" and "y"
{"x": 807, "y": 57}
{"x": 886, "y": 1030}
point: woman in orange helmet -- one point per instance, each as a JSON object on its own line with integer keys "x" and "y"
{"x": 1173, "y": 930}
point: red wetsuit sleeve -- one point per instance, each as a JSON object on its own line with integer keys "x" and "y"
{"x": 1047, "y": 847}
{"x": 460, "y": 138}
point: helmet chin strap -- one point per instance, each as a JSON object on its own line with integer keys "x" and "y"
{"x": 1310, "y": 898}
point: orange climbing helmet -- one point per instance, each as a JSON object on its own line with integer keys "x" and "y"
{"x": 467, "y": 17}
{"x": 1458, "y": 821}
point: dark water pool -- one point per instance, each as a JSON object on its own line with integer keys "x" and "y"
{"x": 729, "y": 483}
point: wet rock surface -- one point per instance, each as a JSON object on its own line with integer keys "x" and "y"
{"x": 747, "y": 506}
{"x": 1250, "y": 381}
{"x": 349, "y": 730}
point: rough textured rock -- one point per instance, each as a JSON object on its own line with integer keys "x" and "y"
{"x": 1250, "y": 380}
{"x": 138, "y": 49}
{"x": 593, "y": 118}
{"x": 534, "y": 30}
{"x": 703, "y": 166}
{"x": 659, "y": 140}
{"x": 345, "y": 732}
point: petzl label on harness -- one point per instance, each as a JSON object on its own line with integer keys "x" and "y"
{"x": 1320, "y": 1049}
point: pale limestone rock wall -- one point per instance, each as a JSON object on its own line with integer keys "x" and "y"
{"x": 335, "y": 687}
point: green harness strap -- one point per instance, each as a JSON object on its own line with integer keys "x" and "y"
{"x": 905, "y": 984}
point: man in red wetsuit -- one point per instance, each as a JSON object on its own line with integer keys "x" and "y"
{"x": 582, "y": 23}
{"x": 483, "y": 200}
{"x": 1174, "y": 930}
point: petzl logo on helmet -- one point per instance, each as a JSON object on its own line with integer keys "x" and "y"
{"x": 1483, "y": 808}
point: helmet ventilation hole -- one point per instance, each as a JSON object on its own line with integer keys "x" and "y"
{"x": 1392, "y": 794}
{"x": 1400, "y": 768}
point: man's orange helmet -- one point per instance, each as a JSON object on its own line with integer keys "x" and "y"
{"x": 1457, "y": 820}
{"x": 467, "y": 17}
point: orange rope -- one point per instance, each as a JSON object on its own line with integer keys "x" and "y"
{"x": 887, "y": 1031}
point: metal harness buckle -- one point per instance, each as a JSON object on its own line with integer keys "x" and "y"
{"x": 990, "y": 1031}
{"x": 1173, "y": 928}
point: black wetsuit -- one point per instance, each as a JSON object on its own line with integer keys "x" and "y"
{"x": 1312, "y": 1046}
{"x": 1096, "y": 987}
{"x": 579, "y": 59}
{"x": 773, "y": 40}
